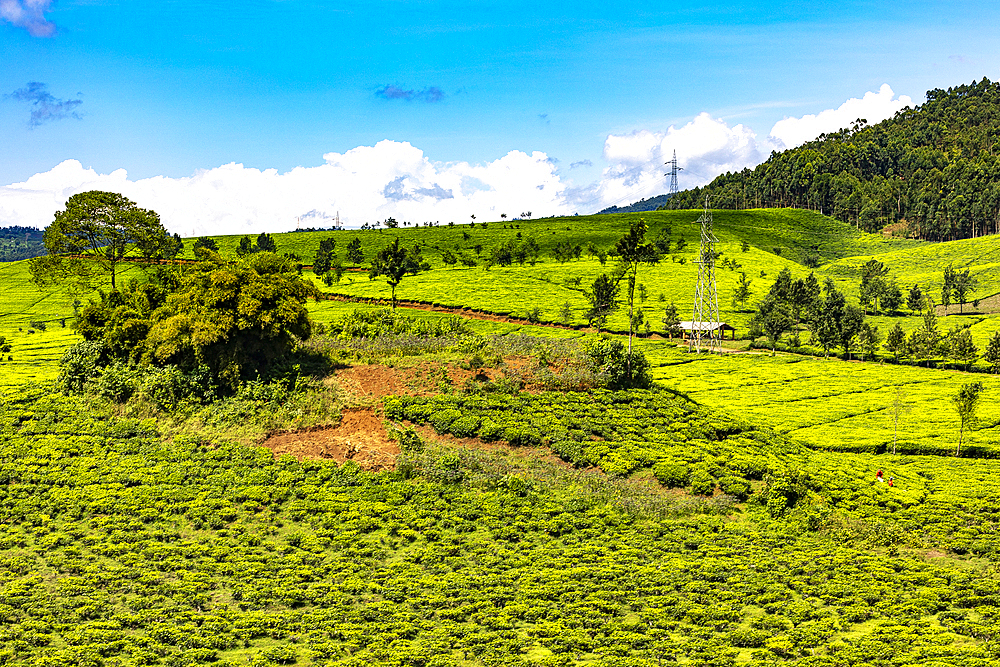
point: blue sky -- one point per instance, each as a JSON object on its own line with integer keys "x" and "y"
{"x": 178, "y": 89}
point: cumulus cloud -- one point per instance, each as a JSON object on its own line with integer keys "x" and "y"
{"x": 390, "y": 92}
{"x": 873, "y": 107}
{"x": 707, "y": 147}
{"x": 44, "y": 107}
{"x": 28, "y": 14}
{"x": 581, "y": 163}
{"x": 365, "y": 184}
{"x": 395, "y": 179}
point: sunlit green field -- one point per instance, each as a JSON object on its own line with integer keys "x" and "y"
{"x": 829, "y": 403}
{"x": 832, "y": 404}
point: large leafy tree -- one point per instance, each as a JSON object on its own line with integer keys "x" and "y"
{"x": 94, "y": 235}
{"x": 238, "y": 318}
{"x": 394, "y": 262}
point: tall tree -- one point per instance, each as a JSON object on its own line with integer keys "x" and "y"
{"x": 773, "y": 318}
{"x": 742, "y": 291}
{"x": 961, "y": 348}
{"x": 265, "y": 243}
{"x": 632, "y": 250}
{"x": 992, "y": 355}
{"x": 245, "y": 247}
{"x": 354, "y": 253}
{"x": 870, "y": 338}
{"x": 206, "y": 242}
{"x": 874, "y": 277}
{"x": 948, "y": 286}
{"x": 852, "y": 321}
{"x": 99, "y": 229}
{"x": 966, "y": 402}
{"x": 915, "y": 299}
{"x": 963, "y": 284}
{"x": 895, "y": 342}
{"x": 671, "y": 321}
{"x": 603, "y": 296}
{"x": 323, "y": 261}
{"x": 394, "y": 262}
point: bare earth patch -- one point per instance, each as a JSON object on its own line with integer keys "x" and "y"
{"x": 366, "y": 382}
{"x": 359, "y": 437}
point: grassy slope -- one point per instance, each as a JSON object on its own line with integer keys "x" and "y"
{"x": 37, "y": 354}
{"x": 548, "y": 285}
{"x": 831, "y": 404}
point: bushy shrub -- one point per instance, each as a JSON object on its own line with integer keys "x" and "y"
{"x": 735, "y": 486}
{"x": 702, "y": 483}
{"x": 671, "y": 473}
{"x": 490, "y": 431}
{"x": 521, "y": 436}
{"x": 615, "y": 368}
{"x": 80, "y": 363}
{"x": 442, "y": 419}
{"x": 465, "y": 427}
{"x": 409, "y": 441}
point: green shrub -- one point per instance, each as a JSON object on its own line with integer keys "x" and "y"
{"x": 609, "y": 360}
{"x": 80, "y": 363}
{"x": 521, "y": 436}
{"x": 671, "y": 473}
{"x": 702, "y": 483}
{"x": 465, "y": 427}
{"x": 735, "y": 486}
{"x": 490, "y": 431}
{"x": 442, "y": 419}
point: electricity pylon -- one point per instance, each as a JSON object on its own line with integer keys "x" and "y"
{"x": 705, "y": 325}
{"x": 673, "y": 173}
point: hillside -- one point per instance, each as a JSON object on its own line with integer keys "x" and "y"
{"x": 651, "y": 204}
{"x": 458, "y": 488}
{"x": 932, "y": 172}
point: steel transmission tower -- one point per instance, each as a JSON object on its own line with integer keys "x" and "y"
{"x": 673, "y": 173}
{"x": 705, "y": 325}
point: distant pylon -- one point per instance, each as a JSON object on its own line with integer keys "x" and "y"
{"x": 705, "y": 325}
{"x": 673, "y": 173}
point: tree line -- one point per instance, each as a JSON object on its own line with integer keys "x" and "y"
{"x": 931, "y": 172}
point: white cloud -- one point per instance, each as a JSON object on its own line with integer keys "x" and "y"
{"x": 28, "y": 14}
{"x": 364, "y": 184}
{"x": 396, "y": 179}
{"x": 706, "y": 147}
{"x": 873, "y": 107}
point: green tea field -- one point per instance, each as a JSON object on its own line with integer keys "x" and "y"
{"x": 475, "y": 479}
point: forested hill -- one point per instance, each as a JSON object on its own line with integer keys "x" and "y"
{"x": 651, "y": 204}
{"x": 932, "y": 171}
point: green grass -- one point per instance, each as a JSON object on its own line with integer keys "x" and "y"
{"x": 792, "y": 231}
{"x": 831, "y": 404}
{"x": 923, "y": 264}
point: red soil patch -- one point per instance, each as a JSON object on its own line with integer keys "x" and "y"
{"x": 374, "y": 381}
{"x": 359, "y": 437}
